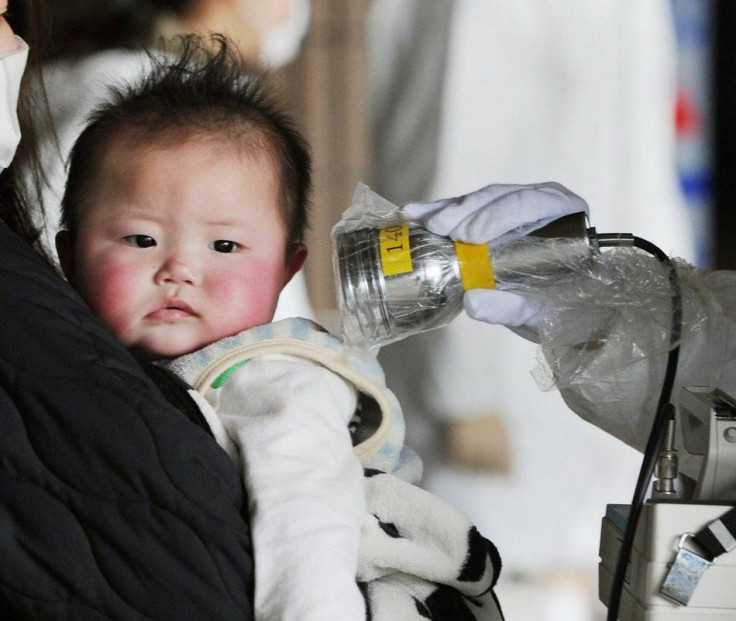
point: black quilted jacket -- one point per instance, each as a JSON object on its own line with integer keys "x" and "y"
{"x": 113, "y": 504}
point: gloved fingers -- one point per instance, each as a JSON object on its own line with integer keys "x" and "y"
{"x": 460, "y": 206}
{"x": 518, "y": 312}
{"x": 521, "y": 211}
{"x": 495, "y": 210}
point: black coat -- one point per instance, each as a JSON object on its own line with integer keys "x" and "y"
{"x": 113, "y": 504}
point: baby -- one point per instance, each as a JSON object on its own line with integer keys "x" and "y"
{"x": 183, "y": 219}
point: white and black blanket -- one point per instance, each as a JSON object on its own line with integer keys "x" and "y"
{"x": 421, "y": 558}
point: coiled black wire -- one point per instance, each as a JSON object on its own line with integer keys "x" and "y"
{"x": 665, "y": 412}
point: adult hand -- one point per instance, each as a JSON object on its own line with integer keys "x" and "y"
{"x": 497, "y": 210}
{"x": 493, "y": 213}
{"x": 8, "y": 42}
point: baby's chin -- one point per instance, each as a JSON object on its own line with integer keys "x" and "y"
{"x": 149, "y": 353}
{"x": 162, "y": 348}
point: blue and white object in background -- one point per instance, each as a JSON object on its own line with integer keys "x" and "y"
{"x": 693, "y": 116}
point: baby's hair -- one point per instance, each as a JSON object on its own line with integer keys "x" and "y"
{"x": 207, "y": 92}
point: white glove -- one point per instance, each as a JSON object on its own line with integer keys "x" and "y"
{"x": 494, "y": 213}
{"x": 498, "y": 210}
{"x": 520, "y": 313}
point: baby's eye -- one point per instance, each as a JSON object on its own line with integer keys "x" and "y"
{"x": 140, "y": 241}
{"x": 224, "y": 245}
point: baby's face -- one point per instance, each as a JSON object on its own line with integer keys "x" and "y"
{"x": 182, "y": 245}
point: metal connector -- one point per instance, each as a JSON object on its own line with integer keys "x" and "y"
{"x": 666, "y": 469}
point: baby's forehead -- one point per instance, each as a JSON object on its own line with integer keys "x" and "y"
{"x": 251, "y": 144}
{"x": 126, "y": 157}
{"x": 148, "y": 168}
{"x": 130, "y": 153}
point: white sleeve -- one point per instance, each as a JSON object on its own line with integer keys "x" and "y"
{"x": 11, "y": 72}
{"x": 289, "y": 417}
{"x": 623, "y": 402}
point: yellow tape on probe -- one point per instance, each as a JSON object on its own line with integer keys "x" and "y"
{"x": 475, "y": 266}
{"x": 395, "y": 250}
{"x": 474, "y": 260}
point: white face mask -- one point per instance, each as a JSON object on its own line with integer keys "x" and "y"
{"x": 281, "y": 44}
{"x": 11, "y": 71}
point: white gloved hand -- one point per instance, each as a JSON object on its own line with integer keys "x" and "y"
{"x": 499, "y": 212}
{"x": 496, "y": 211}
{"x": 520, "y": 313}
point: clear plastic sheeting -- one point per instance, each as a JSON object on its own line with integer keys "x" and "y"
{"x": 621, "y": 296}
{"x": 396, "y": 278}
{"x": 603, "y": 320}
{"x": 605, "y": 335}
{"x": 367, "y": 211}
{"x": 392, "y": 279}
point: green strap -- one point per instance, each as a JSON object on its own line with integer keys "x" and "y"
{"x": 221, "y": 379}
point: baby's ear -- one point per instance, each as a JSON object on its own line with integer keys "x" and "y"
{"x": 295, "y": 260}
{"x": 65, "y": 250}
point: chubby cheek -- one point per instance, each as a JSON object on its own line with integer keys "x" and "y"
{"x": 247, "y": 298}
{"x": 110, "y": 289}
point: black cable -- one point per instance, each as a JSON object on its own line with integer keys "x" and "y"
{"x": 665, "y": 412}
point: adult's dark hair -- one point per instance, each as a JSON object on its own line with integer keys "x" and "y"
{"x": 21, "y": 183}
{"x": 205, "y": 91}
{"x": 80, "y": 27}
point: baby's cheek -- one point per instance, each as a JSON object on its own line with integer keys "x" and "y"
{"x": 251, "y": 295}
{"x": 111, "y": 290}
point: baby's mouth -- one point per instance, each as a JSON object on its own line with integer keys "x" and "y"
{"x": 172, "y": 310}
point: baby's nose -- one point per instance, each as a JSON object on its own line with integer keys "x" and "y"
{"x": 177, "y": 271}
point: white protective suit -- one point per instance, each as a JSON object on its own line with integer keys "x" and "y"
{"x": 606, "y": 327}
